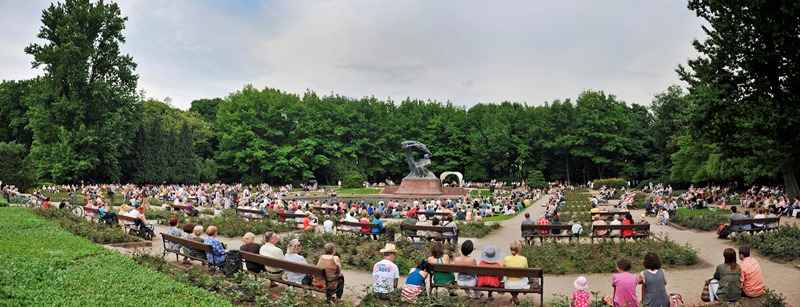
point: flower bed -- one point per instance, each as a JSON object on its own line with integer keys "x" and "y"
{"x": 80, "y": 226}
{"x": 704, "y": 220}
{"x": 779, "y": 245}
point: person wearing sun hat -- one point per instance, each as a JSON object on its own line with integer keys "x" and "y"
{"x": 580, "y": 298}
{"x": 385, "y": 273}
{"x": 490, "y": 256}
{"x": 642, "y": 221}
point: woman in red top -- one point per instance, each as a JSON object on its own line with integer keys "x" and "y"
{"x": 543, "y": 221}
{"x": 627, "y": 221}
{"x": 490, "y": 257}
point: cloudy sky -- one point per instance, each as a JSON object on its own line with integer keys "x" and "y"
{"x": 466, "y": 52}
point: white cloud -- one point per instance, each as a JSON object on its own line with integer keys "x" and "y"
{"x": 460, "y": 51}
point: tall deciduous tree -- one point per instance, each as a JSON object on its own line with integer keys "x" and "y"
{"x": 745, "y": 89}
{"x": 83, "y": 121}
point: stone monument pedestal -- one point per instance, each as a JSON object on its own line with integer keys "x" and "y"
{"x": 419, "y": 186}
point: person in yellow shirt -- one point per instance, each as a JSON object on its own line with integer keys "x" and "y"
{"x": 527, "y": 203}
{"x": 516, "y": 261}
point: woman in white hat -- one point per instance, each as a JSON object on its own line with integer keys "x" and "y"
{"x": 490, "y": 256}
{"x": 423, "y": 221}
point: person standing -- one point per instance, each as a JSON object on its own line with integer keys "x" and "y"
{"x": 385, "y": 273}
{"x": 751, "y": 277}
{"x": 654, "y": 282}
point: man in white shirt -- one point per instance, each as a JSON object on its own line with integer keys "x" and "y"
{"x": 616, "y": 222}
{"x": 351, "y": 218}
{"x": 385, "y": 273}
{"x": 270, "y": 250}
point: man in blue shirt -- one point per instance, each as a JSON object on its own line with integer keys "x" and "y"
{"x": 376, "y": 231}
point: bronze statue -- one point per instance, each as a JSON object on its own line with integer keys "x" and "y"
{"x": 418, "y": 168}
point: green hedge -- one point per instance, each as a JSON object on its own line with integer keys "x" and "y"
{"x": 704, "y": 220}
{"x": 80, "y": 226}
{"x": 583, "y": 258}
{"x": 779, "y": 245}
{"x": 43, "y": 265}
{"x": 616, "y": 183}
{"x": 3, "y": 202}
{"x": 353, "y": 179}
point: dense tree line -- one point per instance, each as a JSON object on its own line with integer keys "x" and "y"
{"x": 83, "y": 120}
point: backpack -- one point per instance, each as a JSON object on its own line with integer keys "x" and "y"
{"x": 233, "y": 263}
{"x": 723, "y": 231}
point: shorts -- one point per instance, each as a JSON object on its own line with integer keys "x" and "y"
{"x": 517, "y": 284}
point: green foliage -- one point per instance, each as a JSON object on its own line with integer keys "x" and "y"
{"x": 581, "y": 258}
{"x": 566, "y": 301}
{"x": 699, "y": 219}
{"x": 476, "y": 229}
{"x": 774, "y": 299}
{"x": 231, "y": 224}
{"x": 15, "y": 98}
{"x": 80, "y": 226}
{"x": 3, "y": 202}
{"x": 742, "y": 87}
{"x": 15, "y": 169}
{"x": 46, "y": 266}
{"x": 536, "y": 180}
{"x": 779, "y": 245}
{"x": 84, "y": 115}
{"x": 616, "y": 183}
{"x": 353, "y": 179}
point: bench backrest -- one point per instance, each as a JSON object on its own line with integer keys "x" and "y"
{"x": 92, "y": 210}
{"x": 426, "y": 228}
{"x": 256, "y": 211}
{"x": 180, "y": 207}
{"x": 185, "y": 242}
{"x": 488, "y": 270}
{"x": 546, "y": 227}
{"x": 434, "y": 213}
{"x": 608, "y": 215}
{"x": 283, "y": 264}
{"x": 765, "y": 220}
{"x": 354, "y": 224}
{"x": 291, "y": 215}
{"x": 126, "y": 218}
{"x": 622, "y": 227}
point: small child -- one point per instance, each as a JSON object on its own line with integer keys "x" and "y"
{"x": 580, "y": 298}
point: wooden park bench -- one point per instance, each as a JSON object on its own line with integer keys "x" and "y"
{"x": 95, "y": 214}
{"x": 315, "y": 271}
{"x": 406, "y": 231}
{"x": 254, "y": 214}
{"x": 764, "y": 221}
{"x": 182, "y": 208}
{"x": 440, "y": 215}
{"x": 298, "y": 218}
{"x": 347, "y": 229}
{"x": 130, "y": 228}
{"x": 188, "y": 243}
{"x": 535, "y": 278}
{"x": 609, "y": 216}
{"x": 566, "y": 232}
{"x": 643, "y": 231}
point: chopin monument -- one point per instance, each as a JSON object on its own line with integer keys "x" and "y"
{"x": 421, "y": 182}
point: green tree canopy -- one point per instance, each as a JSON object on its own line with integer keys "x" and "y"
{"x": 83, "y": 120}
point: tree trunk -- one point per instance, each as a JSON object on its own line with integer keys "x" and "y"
{"x": 567, "y": 161}
{"x": 789, "y": 179}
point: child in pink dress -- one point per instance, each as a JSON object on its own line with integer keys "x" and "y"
{"x": 624, "y": 284}
{"x": 580, "y": 298}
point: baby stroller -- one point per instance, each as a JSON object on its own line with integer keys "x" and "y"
{"x": 649, "y": 210}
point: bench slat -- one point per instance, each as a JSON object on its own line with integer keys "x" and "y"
{"x": 283, "y": 264}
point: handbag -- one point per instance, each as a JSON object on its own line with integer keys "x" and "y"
{"x": 705, "y": 296}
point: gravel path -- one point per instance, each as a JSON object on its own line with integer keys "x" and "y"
{"x": 783, "y": 278}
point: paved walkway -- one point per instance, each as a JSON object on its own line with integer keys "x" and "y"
{"x": 688, "y": 282}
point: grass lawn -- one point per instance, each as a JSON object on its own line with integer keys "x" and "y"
{"x": 484, "y": 193}
{"x": 346, "y": 191}
{"x": 43, "y": 265}
{"x": 498, "y": 217}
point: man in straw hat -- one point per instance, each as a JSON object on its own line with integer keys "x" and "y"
{"x": 385, "y": 273}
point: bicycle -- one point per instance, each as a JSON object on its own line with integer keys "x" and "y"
{"x": 75, "y": 209}
{"x": 30, "y": 201}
